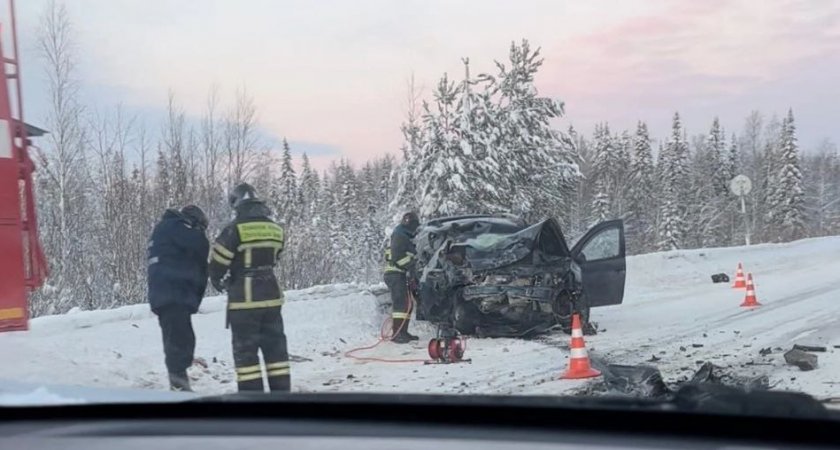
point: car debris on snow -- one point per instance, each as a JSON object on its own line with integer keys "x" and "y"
{"x": 200, "y": 362}
{"x": 298, "y": 358}
{"x": 720, "y": 278}
{"x": 804, "y": 360}
{"x": 710, "y": 373}
{"x": 697, "y": 345}
{"x": 647, "y": 382}
{"x": 641, "y": 381}
{"x": 809, "y": 348}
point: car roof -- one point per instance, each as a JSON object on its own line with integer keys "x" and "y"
{"x": 502, "y": 219}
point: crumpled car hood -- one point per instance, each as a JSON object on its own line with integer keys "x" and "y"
{"x": 543, "y": 240}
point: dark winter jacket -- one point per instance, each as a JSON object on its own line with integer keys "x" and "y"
{"x": 177, "y": 263}
{"x": 400, "y": 255}
{"x": 243, "y": 257}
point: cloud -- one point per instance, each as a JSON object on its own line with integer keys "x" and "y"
{"x": 331, "y": 75}
{"x": 702, "y": 58}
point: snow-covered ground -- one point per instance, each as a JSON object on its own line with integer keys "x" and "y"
{"x": 671, "y": 311}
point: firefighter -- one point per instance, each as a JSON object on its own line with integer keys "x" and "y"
{"x": 242, "y": 262}
{"x": 177, "y": 277}
{"x": 399, "y": 270}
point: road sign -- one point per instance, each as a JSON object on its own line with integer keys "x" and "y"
{"x": 740, "y": 185}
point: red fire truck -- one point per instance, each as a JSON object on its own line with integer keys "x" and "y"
{"x": 23, "y": 267}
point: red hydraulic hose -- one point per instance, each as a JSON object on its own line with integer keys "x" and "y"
{"x": 384, "y": 336}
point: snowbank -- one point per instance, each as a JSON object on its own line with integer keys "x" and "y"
{"x": 79, "y": 319}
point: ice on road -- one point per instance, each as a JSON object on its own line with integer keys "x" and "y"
{"x": 671, "y": 311}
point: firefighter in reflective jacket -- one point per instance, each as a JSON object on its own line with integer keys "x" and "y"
{"x": 242, "y": 261}
{"x": 399, "y": 264}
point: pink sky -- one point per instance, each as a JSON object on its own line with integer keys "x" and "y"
{"x": 334, "y": 72}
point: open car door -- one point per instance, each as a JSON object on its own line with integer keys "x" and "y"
{"x": 601, "y": 256}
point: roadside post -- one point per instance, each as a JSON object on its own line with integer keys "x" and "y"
{"x": 741, "y": 186}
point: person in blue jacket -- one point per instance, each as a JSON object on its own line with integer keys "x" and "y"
{"x": 177, "y": 274}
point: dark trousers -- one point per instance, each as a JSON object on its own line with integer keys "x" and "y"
{"x": 256, "y": 330}
{"x": 178, "y": 338}
{"x": 398, "y": 286}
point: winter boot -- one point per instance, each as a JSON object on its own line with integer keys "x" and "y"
{"x": 179, "y": 382}
{"x": 401, "y": 334}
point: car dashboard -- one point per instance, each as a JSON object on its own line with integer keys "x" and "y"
{"x": 438, "y": 422}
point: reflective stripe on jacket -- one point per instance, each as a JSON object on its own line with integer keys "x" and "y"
{"x": 247, "y": 250}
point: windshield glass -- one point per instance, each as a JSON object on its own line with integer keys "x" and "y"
{"x": 205, "y": 198}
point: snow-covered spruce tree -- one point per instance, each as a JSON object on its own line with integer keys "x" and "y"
{"x": 604, "y": 168}
{"x": 582, "y": 215}
{"x": 733, "y": 158}
{"x": 734, "y": 218}
{"x": 478, "y": 134}
{"x": 285, "y": 200}
{"x": 711, "y": 172}
{"x": 641, "y": 191}
{"x": 701, "y": 202}
{"x": 610, "y": 172}
{"x": 346, "y": 232}
{"x": 370, "y": 226}
{"x": 540, "y": 161}
{"x": 312, "y": 267}
{"x": 721, "y": 174}
{"x": 308, "y": 188}
{"x": 821, "y": 178}
{"x": 624, "y": 145}
{"x": 674, "y": 171}
{"x": 443, "y": 183}
{"x": 407, "y": 195}
{"x": 768, "y": 166}
{"x": 787, "y": 202}
{"x": 488, "y": 146}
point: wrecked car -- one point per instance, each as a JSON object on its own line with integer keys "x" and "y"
{"x": 497, "y": 276}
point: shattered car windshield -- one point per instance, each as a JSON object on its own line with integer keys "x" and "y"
{"x": 485, "y": 242}
{"x": 560, "y": 199}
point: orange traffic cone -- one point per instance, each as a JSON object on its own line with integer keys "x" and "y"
{"x": 750, "y": 299}
{"x": 579, "y": 366}
{"x": 739, "y": 278}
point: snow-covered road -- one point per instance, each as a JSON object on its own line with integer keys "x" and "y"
{"x": 671, "y": 311}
